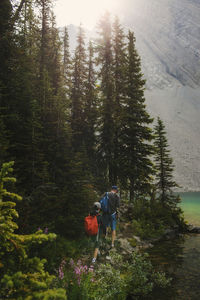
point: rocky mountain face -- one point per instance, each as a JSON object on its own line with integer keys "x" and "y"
{"x": 168, "y": 41}
{"x": 168, "y": 37}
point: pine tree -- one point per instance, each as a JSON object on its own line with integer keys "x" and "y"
{"x": 119, "y": 70}
{"x": 106, "y": 123}
{"x": 164, "y": 167}
{"x": 78, "y": 94}
{"x": 90, "y": 111}
{"x": 51, "y": 99}
{"x": 18, "y": 93}
{"x": 21, "y": 276}
{"x": 136, "y": 136}
{"x": 67, "y": 63}
{"x": 5, "y": 53}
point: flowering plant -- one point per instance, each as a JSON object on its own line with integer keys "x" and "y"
{"x": 77, "y": 278}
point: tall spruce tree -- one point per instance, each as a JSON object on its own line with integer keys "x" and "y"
{"x": 18, "y": 93}
{"x": 164, "y": 167}
{"x": 51, "y": 98}
{"x": 119, "y": 73}
{"x": 67, "y": 63}
{"x": 79, "y": 79}
{"x": 90, "y": 111}
{"x": 106, "y": 125}
{"x": 6, "y": 45}
{"x": 136, "y": 136}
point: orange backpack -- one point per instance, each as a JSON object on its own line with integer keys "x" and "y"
{"x": 91, "y": 225}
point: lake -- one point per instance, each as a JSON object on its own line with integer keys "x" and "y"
{"x": 180, "y": 258}
{"x": 191, "y": 207}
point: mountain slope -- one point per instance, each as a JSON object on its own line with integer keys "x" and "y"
{"x": 179, "y": 108}
{"x": 168, "y": 39}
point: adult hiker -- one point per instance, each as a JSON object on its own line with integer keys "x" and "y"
{"x": 110, "y": 203}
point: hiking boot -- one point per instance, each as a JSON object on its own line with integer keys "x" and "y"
{"x": 93, "y": 260}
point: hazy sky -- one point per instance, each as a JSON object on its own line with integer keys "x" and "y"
{"x": 86, "y": 12}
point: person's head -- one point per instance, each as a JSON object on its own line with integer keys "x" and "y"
{"x": 114, "y": 189}
{"x": 97, "y": 206}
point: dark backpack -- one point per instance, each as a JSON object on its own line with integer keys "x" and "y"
{"x": 91, "y": 225}
{"x": 105, "y": 203}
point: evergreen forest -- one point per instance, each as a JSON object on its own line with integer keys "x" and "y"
{"x": 71, "y": 126}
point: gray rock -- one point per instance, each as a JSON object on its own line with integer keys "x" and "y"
{"x": 193, "y": 229}
{"x": 125, "y": 246}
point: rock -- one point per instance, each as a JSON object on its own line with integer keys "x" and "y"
{"x": 125, "y": 246}
{"x": 193, "y": 229}
{"x": 147, "y": 245}
{"x": 170, "y": 233}
{"x": 137, "y": 238}
{"x": 108, "y": 258}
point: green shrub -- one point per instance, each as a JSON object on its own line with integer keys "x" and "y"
{"x": 60, "y": 248}
{"x": 133, "y": 242}
{"x": 110, "y": 280}
{"x": 141, "y": 278}
{"x": 147, "y": 228}
{"x": 21, "y": 276}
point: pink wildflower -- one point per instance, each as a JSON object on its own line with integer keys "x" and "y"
{"x": 79, "y": 262}
{"x": 60, "y": 273}
{"x": 71, "y": 262}
{"x": 77, "y": 270}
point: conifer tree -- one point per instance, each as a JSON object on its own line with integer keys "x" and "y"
{"x": 164, "y": 167}
{"x": 90, "y": 110}
{"x": 5, "y": 52}
{"x": 106, "y": 124}
{"x": 78, "y": 94}
{"x": 21, "y": 276}
{"x": 67, "y": 63}
{"x": 44, "y": 40}
{"x": 136, "y": 136}
{"x": 52, "y": 100}
{"x": 119, "y": 72}
{"x": 16, "y": 102}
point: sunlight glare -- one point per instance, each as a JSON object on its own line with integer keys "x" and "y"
{"x": 86, "y": 12}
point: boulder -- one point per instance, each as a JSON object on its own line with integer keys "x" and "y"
{"x": 125, "y": 246}
{"x": 193, "y": 229}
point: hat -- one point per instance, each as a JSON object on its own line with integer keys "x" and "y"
{"x": 97, "y": 204}
{"x": 114, "y": 187}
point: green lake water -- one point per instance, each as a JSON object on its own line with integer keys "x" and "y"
{"x": 180, "y": 257}
{"x": 191, "y": 207}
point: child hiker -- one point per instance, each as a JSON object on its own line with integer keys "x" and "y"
{"x": 97, "y": 238}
